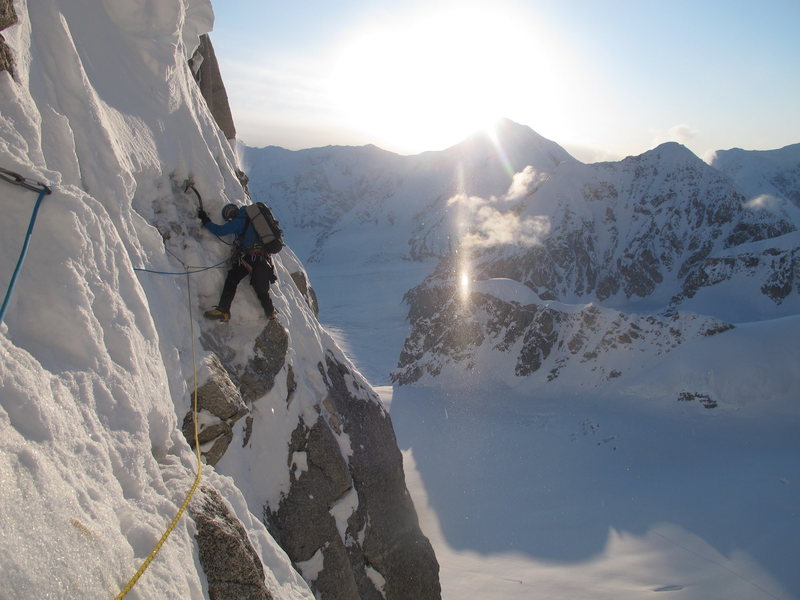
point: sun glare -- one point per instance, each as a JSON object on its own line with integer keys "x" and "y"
{"x": 429, "y": 82}
{"x": 463, "y": 283}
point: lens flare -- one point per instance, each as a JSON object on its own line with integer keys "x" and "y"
{"x": 491, "y": 131}
{"x": 464, "y": 283}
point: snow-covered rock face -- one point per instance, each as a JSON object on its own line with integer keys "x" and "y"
{"x": 329, "y": 479}
{"x": 346, "y": 192}
{"x": 649, "y": 240}
{"x": 480, "y": 333}
{"x": 205, "y": 67}
{"x": 629, "y": 230}
{"x": 765, "y": 177}
{"x": 101, "y": 341}
{"x": 347, "y": 515}
{"x": 661, "y": 234}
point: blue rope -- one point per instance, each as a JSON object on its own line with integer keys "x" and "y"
{"x": 42, "y": 193}
{"x": 189, "y": 271}
{"x": 43, "y": 190}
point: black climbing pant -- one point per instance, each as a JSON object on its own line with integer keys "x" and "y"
{"x": 261, "y": 275}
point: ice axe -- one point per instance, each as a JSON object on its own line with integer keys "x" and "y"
{"x": 189, "y": 184}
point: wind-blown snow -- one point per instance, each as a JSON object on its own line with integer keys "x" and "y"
{"x": 96, "y": 358}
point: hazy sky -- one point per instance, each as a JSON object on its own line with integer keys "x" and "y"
{"x": 603, "y": 78}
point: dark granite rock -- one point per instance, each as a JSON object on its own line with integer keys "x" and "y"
{"x": 206, "y": 72}
{"x": 269, "y": 356}
{"x": 393, "y": 542}
{"x": 382, "y": 531}
{"x": 8, "y": 17}
{"x": 231, "y": 564}
{"x": 301, "y": 281}
{"x": 218, "y": 397}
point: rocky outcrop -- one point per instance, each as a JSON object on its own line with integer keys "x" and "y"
{"x": 385, "y": 524}
{"x": 301, "y": 281}
{"x": 232, "y": 566}
{"x": 543, "y": 338}
{"x": 776, "y": 269}
{"x": 349, "y": 524}
{"x": 205, "y": 67}
{"x": 8, "y": 17}
{"x": 220, "y": 406}
{"x": 267, "y": 360}
{"x": 303, "y": 524}
{"x": 346, "y": 521}
{"x": 628, "y": 229}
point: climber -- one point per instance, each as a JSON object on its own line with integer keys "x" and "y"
{"x": 248, "y": 256}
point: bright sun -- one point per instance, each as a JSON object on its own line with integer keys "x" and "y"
{"x": 428, "y": 82}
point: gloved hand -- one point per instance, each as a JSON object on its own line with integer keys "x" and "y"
{"x": 203, "y": 216}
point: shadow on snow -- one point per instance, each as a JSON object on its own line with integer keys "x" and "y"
{"x": 551, "y": 479}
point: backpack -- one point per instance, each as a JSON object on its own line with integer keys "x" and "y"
{"x": 266, "y": 227}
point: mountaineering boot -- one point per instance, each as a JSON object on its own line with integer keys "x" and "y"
{"x": 216, "y": 314}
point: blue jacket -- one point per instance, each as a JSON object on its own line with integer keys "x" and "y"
{"x": 239, "y": 225}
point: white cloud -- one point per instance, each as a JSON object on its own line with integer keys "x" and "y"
{"x": 497, "y": 221}
{"x": 683, "y": 134}
{"x": 523, "y": 183}
{"x": 765, "y": 202}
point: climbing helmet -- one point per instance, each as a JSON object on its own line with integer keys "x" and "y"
{"x": 229, "y": 212}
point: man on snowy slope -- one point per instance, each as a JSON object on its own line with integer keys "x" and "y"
{"x": 248, "y": 257}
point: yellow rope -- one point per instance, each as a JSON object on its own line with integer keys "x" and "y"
{"x": 180, "y": 512}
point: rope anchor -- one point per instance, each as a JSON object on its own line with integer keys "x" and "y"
{"x": 43, "y": 190}
{"x": 29, "y": 184}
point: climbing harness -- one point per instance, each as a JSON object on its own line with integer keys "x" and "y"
{"x": 248, "y": 257}
{"x": 43, "y": 190}
{"x": 188, "y": 271}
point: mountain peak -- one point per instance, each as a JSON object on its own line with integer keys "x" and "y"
{"x": 505, "y": 124}
{"x": 672, "y": 151}
{"x": 519, "y": 145}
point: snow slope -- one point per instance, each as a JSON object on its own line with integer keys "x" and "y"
{"x": 96, "y": 357}
{"x": 766, "y": 176}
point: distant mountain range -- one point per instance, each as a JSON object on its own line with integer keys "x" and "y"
{"x": 617, "y": 260}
